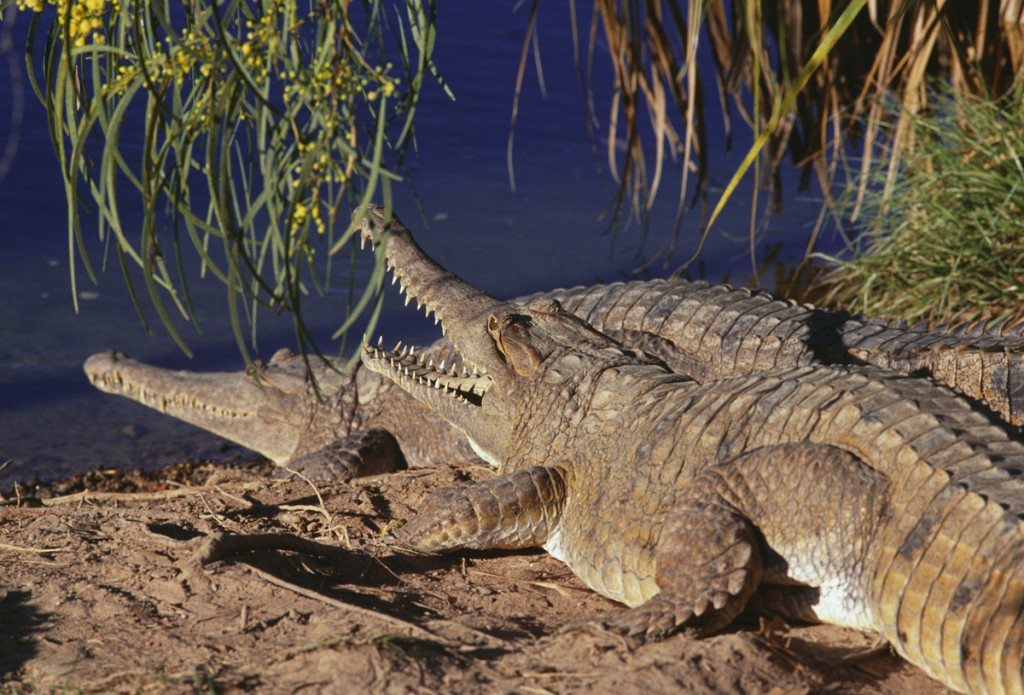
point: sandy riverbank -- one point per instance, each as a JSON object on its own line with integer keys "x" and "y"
{"x": 105, "y": 591}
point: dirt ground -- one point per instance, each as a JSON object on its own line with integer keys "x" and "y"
{"x": 143, "y": 584}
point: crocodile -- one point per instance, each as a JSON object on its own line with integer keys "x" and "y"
{"x": 853, "y": 495}
{"x": 703, "y": 330}
{"x": 712, "y": 331}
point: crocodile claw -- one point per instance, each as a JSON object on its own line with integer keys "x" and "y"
{"x": 653, "y": 620}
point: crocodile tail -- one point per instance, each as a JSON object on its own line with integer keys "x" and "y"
{"x": 986, "y": 369}
{"x": 951, "y": 595}
{"x": 994, "y": 376}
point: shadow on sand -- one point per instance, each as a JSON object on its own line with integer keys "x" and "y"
{"x": 19, "y": 620}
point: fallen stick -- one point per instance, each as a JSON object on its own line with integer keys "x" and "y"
{"x": 22, "y": 549}
{"x": 217, "y": 545}
{"x": 89, "y": 496}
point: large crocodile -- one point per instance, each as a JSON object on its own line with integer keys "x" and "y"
{"x": 706, "y": 331}
{"x": 853, "y": 495}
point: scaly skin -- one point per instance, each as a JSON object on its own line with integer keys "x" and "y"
{"x": 854, "y": 495}
{"x": 714, "y": 331}
{"x": 705, "y": 331}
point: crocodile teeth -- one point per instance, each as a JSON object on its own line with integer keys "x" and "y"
{"x": 407, "y": 367}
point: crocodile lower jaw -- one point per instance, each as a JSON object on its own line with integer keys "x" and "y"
{"x": 423, "y": 379}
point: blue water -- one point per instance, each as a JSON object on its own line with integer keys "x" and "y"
{"x": 546, "y": 233}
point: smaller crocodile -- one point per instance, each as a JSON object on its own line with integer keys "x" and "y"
{"x": 326, "y": 425}
{"x": 853, "y": 495}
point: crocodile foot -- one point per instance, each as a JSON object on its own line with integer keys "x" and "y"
{"x": 650, "y": 621}
{"x": 368, "y": 452}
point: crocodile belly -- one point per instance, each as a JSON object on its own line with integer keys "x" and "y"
{"x": 841, "y": 601}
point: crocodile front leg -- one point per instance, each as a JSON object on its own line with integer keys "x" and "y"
{"x": 800, "y": 514}
{"x": 516, "y": 510}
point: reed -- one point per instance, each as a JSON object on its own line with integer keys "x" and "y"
{"x": 806, "y": 77}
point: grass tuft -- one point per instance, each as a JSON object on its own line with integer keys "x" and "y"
{"x": 945, "y": 243}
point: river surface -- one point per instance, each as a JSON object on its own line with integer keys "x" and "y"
{"x": 548, "y": 232}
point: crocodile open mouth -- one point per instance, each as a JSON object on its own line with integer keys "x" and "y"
{"x": 460, "y": 379}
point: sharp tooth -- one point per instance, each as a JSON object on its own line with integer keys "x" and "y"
{"x": 398, "y": 346}
{"x": 408, "y": 298}
{"x": 437, "y": 384}
{"x": 437, "y": 319}
{"x": 380, "y": 342}
{"x": 362, "y": 243}
{"x": 412, "y": 349}
{"x": 394, "y": 279}
{"x": 441, "y": 366}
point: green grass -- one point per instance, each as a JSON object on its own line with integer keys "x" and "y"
{"x": 945, "y": 242}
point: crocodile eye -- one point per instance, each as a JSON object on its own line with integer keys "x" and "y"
{"x": 515, "y": 344}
